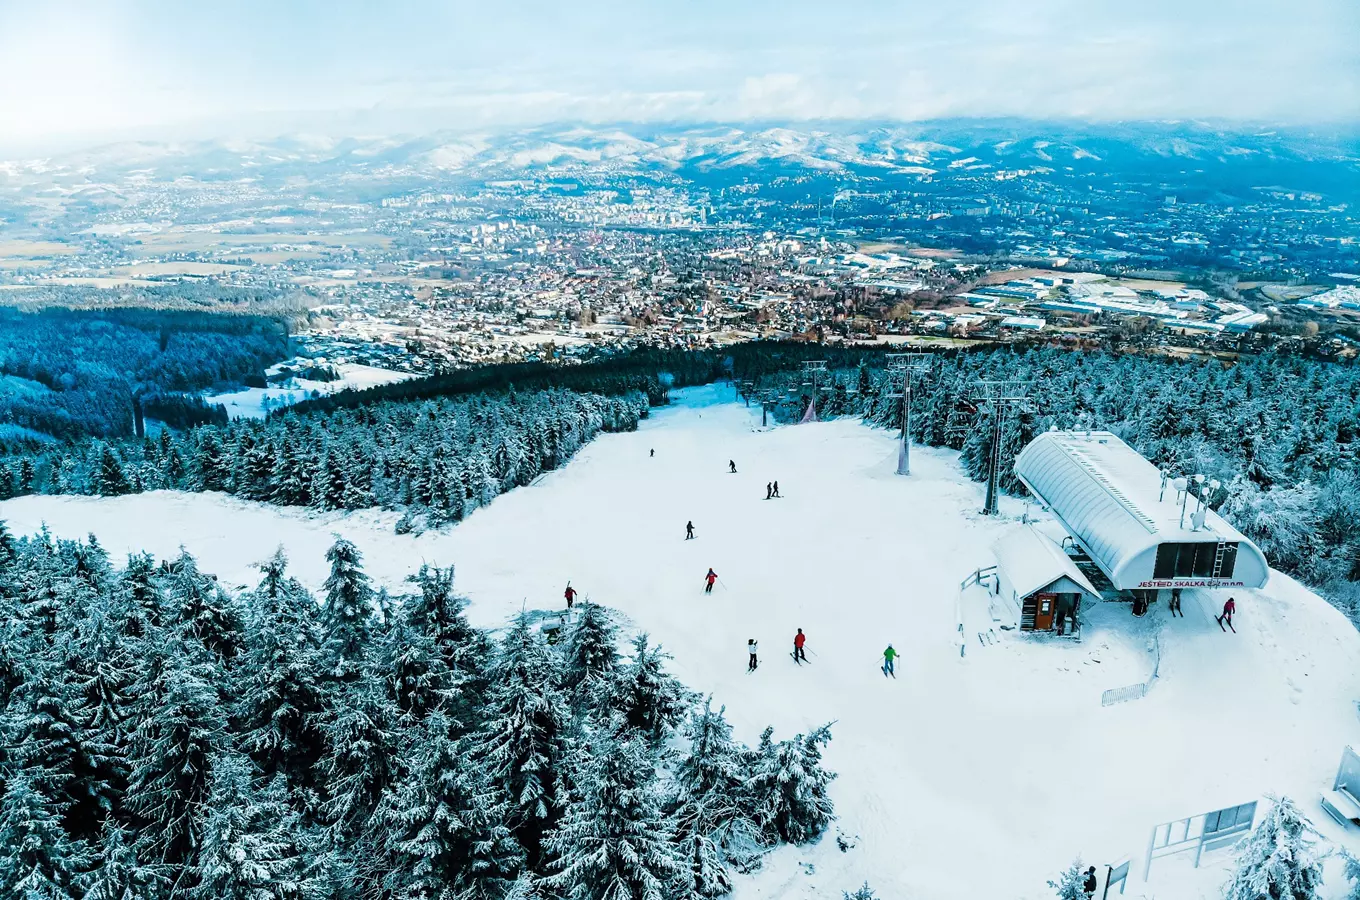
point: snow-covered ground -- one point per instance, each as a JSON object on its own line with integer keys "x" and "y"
{"x": 256, "y": 403}
{"x": 969, "y": 777}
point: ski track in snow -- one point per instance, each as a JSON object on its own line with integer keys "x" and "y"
{"x": 962, "y": 778}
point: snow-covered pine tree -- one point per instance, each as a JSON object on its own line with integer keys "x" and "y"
{"x": 415, "y": 674}
{"x": 789, "y": 787}
{"x": 1068, "y": 886}
{"x": 1279, "y": 860}
{"x": 1351, "y": 869}
{"x": 359, "y": 758}
{"x": 709, "y": 802}
{"x": 591, "y": 657}
{"x": 36, "y": 856}
{"x": 111, "y": 480}
{"x": 436, "y": 611}
{"x": 651, "y": 700}
{"x": 440, "y": 826}
{"x": 180, "y": 729}
{"x": 280, "y": 682}
{"x": 615, "y": 842}
{"x": 204, "y": 611}
{"x": 117, "y": 873}
{"x": 348, "y": 608}
{"x": 864, "y": 892}
{"x": 520, "y": 743}
{"x": 242, "y": 855}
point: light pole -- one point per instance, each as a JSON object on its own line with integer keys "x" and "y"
{"x": 906, "y": 366}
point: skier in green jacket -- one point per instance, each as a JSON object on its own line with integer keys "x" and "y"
{"x": 888, "y": 656}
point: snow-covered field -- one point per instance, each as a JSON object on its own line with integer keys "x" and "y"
{"x": 974, "y": 777}
{"x": 256, "y": 403}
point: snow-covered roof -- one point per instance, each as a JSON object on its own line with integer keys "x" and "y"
{"x": 1112, "y": 501}
{"x": 1031, "y": 561}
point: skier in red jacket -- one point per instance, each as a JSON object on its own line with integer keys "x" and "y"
{"x": 1228, "y": 609}
{"x": 570, "y": 594}
{"x": 798, "y": 640}
{"x": 711, "y": 577}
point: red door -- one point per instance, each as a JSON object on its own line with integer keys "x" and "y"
{"x": 1044, "y": 607}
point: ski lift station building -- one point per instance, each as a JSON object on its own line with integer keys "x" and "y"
{"x": 1130, "y": 519}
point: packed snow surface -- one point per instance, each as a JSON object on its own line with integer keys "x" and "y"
{"x": 256, "y": 403}
{"x": 965, "y": 777}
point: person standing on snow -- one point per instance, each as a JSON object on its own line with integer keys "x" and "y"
{"x": 776, "y": 489}
{"x": 798, "y": 640}
{"x": 769, "y": 491}
{"x": 1090, "y": 884}
{"x": 732, "y": 467}
{"x": 652, "y": 452}
{"x": 689, "y": 531}
{"x": 1175, "y": 605}
{"x": 570, "y": 594}
{"x": 751, "y": 651}
{"x": 888, "y": 656}
{"x": 1228, "y": 609}
{"x": 711, "y": 577}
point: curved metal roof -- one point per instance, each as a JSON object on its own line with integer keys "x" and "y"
{"x": 1112, "y": 501}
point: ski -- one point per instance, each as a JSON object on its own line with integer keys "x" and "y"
{"x": 797, "y": 660}
{"x": 1234, "y": 630}
{"x": 1219, "y": 620}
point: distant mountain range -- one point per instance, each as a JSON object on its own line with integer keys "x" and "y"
{"x": 1171, "y": 151}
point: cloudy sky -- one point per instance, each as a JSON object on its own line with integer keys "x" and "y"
{"x": 167, "y": 68}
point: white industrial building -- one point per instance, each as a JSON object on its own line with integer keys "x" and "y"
{"x": 1131, "y": 520}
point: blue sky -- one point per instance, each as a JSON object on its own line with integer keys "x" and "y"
{"x": 154, "y": 68}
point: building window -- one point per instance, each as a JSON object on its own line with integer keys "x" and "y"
{"x": 1193, "y": 560}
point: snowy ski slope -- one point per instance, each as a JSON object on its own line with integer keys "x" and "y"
{"x": 962, "y": 778}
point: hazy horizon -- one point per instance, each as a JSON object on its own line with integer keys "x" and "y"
{"x": 82, "y": 73}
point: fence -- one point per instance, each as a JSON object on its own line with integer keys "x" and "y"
{"x": 1136, "y": 691}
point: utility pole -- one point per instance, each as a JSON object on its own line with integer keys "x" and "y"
{"x": 999, "y": 397}
{"x": 903, "y": 368}
{"x": 814, "y": 369}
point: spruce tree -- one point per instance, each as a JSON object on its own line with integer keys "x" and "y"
{"x": 652, "y": 701}
{"x": 35, "y": 853}
{"x": 441, "y": 826}
{"x": 615, "y": 842}
{"x": 1069, "y": 884}
{"x": 1279, "y": 860}
{"x": 204, "y": 611}
{"x": 348, "y": 609}
{"x": 521, "y": 743}
{"x": 117, "y": 873}
{"x": 789, "y": 787}
{"x": 243, "y": 855}
{"x": 112, "y": 481}
{"x": 180, "y": 729}
{"x": 591, "y": 656}
{"x": 710, "y": 803}
{"x": 359, "y": 759}
{"x": 279, "y": 709}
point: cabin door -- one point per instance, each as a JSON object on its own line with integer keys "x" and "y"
{"x": 1044, "y": 608}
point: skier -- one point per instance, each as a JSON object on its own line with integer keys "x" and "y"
{"x": 689, "y": 531}
{"x": 888, "y": 656}
{"x": 751, "y": 650}
{"x": 769, "y": 491}
{"x": 798, "y": 640}
{"x": 732, "y": 467}
{"x": 1228, "y": 609}
{"x": 1175, "y": 605}
{"x": 570, "y": 594}
{"x": 776, "y": 489}
{"x": 711, "y": 577}
{"x": 1089, "y": 885}
{"x": 652, "y": 452}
